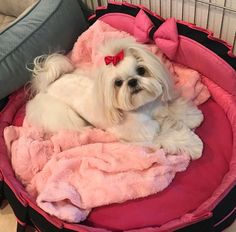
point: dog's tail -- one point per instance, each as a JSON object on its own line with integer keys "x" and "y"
{"x": 47, "y": 69}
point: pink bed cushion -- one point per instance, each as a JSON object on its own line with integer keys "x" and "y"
{"x": 188, "y": 190}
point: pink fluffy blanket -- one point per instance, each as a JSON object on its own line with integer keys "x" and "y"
{"x": 70, "y": 173}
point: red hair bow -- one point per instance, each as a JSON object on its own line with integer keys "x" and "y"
{"x": 114, "y": 59}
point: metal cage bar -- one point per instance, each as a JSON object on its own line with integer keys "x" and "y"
{"x": 195, "y": 12}
{"x": 234, "y": 44}
{"x": 222, "y": 20}
{"x": 171, "y": 8}
{"x": 182, "y": 10}
{"x": 160, "y": 5}
{"x": 208, "y": 15}
{"x": 208, "y": 9}
{"x": 216, "y": 5}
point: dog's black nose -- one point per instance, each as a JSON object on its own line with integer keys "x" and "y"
{"x": 132, "y": 82}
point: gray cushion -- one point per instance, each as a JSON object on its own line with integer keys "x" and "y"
{"x": 51, "y": 25}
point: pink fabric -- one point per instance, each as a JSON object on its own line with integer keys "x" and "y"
{"x": 204, "y": 60}
{"x": 85, "y": 54}
{"x": 72, "y": 172}
{"x": 126, "y": 22}
{"x": 189, "y": 83}
{"x": 166, "y": 38}
{"x": 142, "y": 27}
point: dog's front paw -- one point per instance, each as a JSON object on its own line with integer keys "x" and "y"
{"x": 195, "y": 147}
{"x": 186, "y": 112}
{"x": 193, "y": 117}
{"x": 179, "y": 142}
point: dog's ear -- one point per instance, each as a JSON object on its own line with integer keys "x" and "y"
{"x": 137, "y": 53}
{"x": 156, "y": 69}
{"x": 106, "y": 97}
{"x": 113, "y": 114}
{"x": 166, "y": 81}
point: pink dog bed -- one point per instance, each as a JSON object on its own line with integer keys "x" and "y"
{"x": 202, "y": 198}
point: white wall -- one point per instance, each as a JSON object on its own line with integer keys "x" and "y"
{"x": 186, "y": 9}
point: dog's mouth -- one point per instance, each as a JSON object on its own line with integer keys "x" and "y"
{"x": 136, "y": 91}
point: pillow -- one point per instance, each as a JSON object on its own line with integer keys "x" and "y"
{"x": 50, "y": 26}
{"x": 14, "y": 7}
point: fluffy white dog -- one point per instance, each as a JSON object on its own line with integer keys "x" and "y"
{"x": 131, "y": 96}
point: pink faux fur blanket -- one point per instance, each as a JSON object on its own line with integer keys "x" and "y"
{"x": 69, "y": 173}
{"x": 86, "y": 55}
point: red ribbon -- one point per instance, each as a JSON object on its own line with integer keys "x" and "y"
{"x": 114, "y": 59}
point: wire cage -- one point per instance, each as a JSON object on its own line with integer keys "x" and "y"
{"x": 218, "y": 16}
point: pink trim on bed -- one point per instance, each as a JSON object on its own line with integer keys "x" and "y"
{"x": 91, "y": 17}
{"x": 83, "y": 228}
{"x": 20, "y": 222}
{"x": 100, "y": 8}
{"x": 35, "y": 227}
{"x": 225, "y": 217}
{"x": 116, "y": 3}
{"x": 1, "y": 176}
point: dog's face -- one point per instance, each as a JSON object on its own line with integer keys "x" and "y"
{"x": 133, "y": 84}
{"x": 139, "y": 78}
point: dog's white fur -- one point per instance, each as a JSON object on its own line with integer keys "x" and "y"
{"x": 144, "y": 111}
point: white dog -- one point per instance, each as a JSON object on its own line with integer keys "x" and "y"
{"x": 131, "y": 96}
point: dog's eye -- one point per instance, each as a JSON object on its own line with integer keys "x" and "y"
{"x": 118, "y": 82}
{"x": 141, "y": 71}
